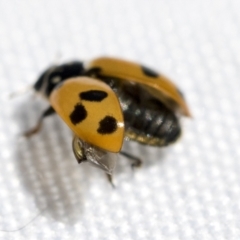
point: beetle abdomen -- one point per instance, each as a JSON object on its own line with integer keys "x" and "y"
{"x": 150, "y": 126}
{"x": 147, "y": 120}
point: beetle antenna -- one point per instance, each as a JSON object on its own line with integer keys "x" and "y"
{"x": 28, "y": 223}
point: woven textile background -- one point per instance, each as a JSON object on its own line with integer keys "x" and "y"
{"x": 190, "y": 190}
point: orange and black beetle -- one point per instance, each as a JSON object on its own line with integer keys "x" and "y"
{"x": 107, "y": 100}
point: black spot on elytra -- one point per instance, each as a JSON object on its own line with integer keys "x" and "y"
{"x": 93, "y": 95}
{"x": 149, "y": 72}
{"x": 79, "y": 114}
{"x": 107, "y": 125}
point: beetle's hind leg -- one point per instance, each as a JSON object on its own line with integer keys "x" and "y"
{"x": 49, "y": 111}
{"x": 136, "y": 162}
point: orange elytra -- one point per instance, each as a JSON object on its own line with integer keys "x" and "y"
{"x": 157, "y": 84}
{"x": 91, "y": 110}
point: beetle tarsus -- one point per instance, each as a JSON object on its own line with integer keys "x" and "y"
{"x": 34, "y": 130}
{"x": 110, "y": 179}
{"x": 49, "y": 111}
{"x": 136, "y": 162}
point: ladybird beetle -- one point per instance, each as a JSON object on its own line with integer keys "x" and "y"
{"x": 107, "y": 100}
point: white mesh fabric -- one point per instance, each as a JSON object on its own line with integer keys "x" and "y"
{"x": 190, "y": 190}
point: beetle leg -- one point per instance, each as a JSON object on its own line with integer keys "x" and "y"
{"x": 49, "y": 111}
{"x": 136, "y": 162}
{"x": 110, "y": 179}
